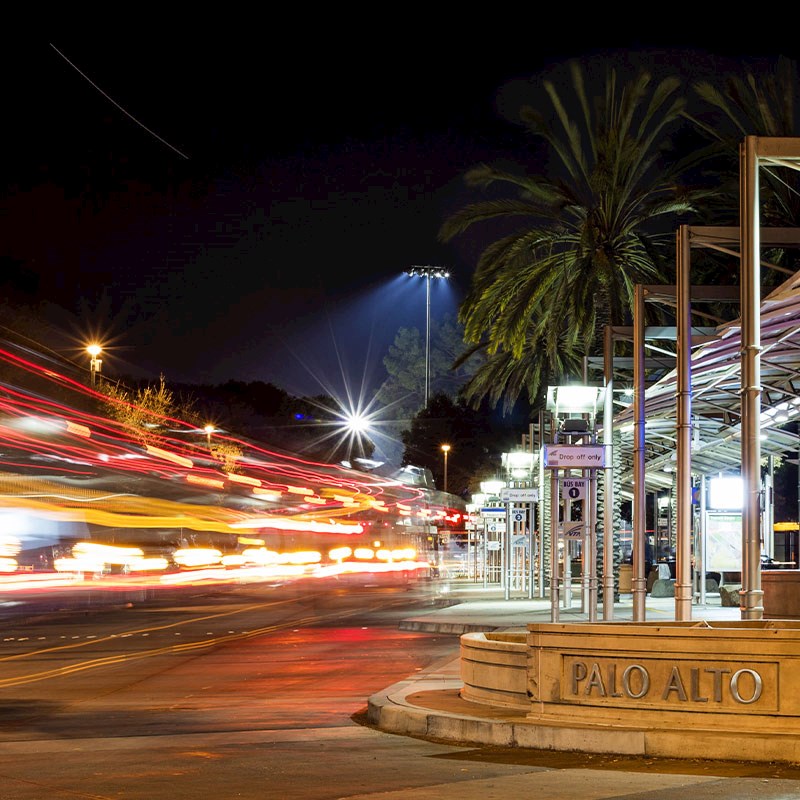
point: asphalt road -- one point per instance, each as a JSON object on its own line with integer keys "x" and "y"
{"x": 261, "y": 693}
{"x": 245, "y": 693}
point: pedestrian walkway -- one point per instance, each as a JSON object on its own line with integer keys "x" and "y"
{"x": 473, "y": 607}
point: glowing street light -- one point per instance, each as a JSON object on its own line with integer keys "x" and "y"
{"x": 428, "y": 273}
{"x": 445, "y": 450}
{"x": 95, "y": 362}
{"x": 209, "y": 429}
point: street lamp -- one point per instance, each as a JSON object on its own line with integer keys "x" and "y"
{"x": 445, "y": 450}
{"x": 209, "y": 429}
{"x": 564, "y": 402}
{"x": 492, "y": 488}
{"x": 95, "y": 363}
{"x": 518, "y": 465}
{"x": 428, "y": 273}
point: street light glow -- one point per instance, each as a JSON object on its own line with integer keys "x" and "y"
{"x": 356, "y": 422}
{"x": 95, "y": 362}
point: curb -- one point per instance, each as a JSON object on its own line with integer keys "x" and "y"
{"x": 455, "y": 628}
{"x": 429, "y": 706}
{"x": 390, "y": 712}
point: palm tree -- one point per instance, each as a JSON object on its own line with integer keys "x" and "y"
{"x": 765, "y": 102}
{"x": 542, "y": 294}
{"x": 504, "y": 377}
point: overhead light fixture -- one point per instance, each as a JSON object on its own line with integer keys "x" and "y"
{"x": 428, "y": 272}
{"x": 492, "y": 487}
{"x": 574, "y": 399}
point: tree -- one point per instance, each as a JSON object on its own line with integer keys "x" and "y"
{"x": 763, "y": 103}
{"x": 403, "y": 392}
{"x": 543, "y": 292}
{"x": 450, "y": 365}
{"x": 475, "y": 439}
{"x": 148, "y": 410}
{"x": 405, "y": 364}
{"x": 144, "y": 410}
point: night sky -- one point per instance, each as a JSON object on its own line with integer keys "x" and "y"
{"x": 247, "y": 210}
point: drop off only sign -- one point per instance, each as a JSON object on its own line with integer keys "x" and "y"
{"x": 574, "y": 456}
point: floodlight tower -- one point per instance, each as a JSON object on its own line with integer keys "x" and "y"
{"x": 428, "y": 273}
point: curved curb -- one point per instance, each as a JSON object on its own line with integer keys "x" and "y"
{"x": 391, "y": 712}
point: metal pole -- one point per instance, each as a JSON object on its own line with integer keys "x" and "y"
{"x": 587, "y": 553}
{"x": 751, "y": 599}
{"x": 531, "y": 550}
{"x": 769, "y": 512}
{"x": 683, "y": 566}
{"x": 485, "y": 555}
{"x": 608, "y": 477}
{"x": 427, "y": 336}
{"x": 566, "y": 580}
{"x": 507, "y": 554}
{"x": 530, "y": 520}
{"x": 592, "y": 543}
{"x": 554, "y": 545}
{"x": 542, "y": 509}
{"x": 639, "y": 579}
{"x": 702, "y": 565}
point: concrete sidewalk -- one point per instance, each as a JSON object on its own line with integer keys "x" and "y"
{"x": 465, "y": 607}
{"x": 429, "y": 705}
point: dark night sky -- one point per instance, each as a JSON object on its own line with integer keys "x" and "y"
{"x": 255, "y": 219}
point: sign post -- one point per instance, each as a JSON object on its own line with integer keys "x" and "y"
{"x": 588, "y": 458}
{"x": 554, "y": 588}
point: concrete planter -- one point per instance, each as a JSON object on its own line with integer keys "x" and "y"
{"x": 718, "y": 690}
{"x": 685, "y": 687}
{"x": 494, "y": 669}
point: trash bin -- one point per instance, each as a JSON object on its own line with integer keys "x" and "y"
{"x": 626, "y": 578}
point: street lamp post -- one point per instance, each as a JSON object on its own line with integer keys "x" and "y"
{"x": 519, "y": 470}
{"x": 576, "y": 408}
{"x": 428, "y": 273}
{"x": 445, "y": 450}
{"x": 491, "y": 490}
{"x": 95, "y": 362}
{"x": 209, "y": 429}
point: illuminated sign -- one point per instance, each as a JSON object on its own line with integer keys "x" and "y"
{"x": 520, "y": 495}
{"x": 575, "y": 456}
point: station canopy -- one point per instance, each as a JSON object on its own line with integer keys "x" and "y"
{"x": 716, "y": 398}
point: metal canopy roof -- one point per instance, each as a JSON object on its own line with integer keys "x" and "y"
{"x": 716, "y": 395}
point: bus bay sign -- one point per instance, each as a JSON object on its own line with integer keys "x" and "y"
{"x": 573, "y": 488}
